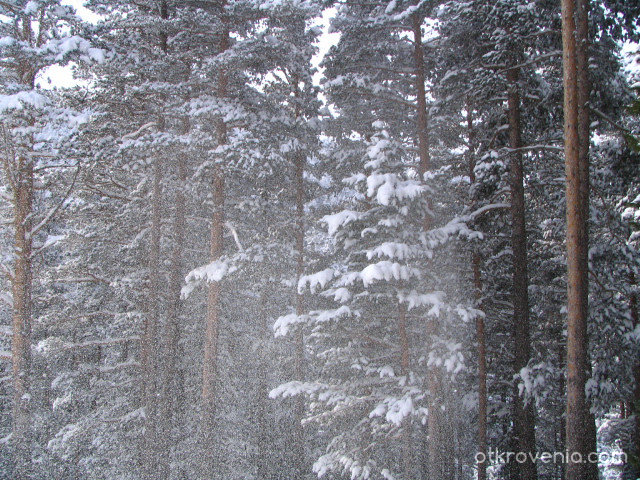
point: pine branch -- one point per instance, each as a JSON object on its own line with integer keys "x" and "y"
{"x": 55, "y": 209}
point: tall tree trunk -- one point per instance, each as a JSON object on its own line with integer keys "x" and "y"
{"x": 421, "y": 96}
{"x": 154, "y": 443}
{"x": 299, "y": 161}
{"x": 171, "y": 393}
{"x": 434, "y": 446}
{"x": 561, "y": 436}
{"x": 264, "y": 426}
{"x": 150, "y": 334}
{"x": 299, "y": 447}
{"x": 635, "y": 401}
{"x": 407, "y": 446}
{"x": 481, "y": 434}
{"x": 22, "y": 319}
{"x": 210, "y": 363}
{"x": 263, "y": 463}
{"x": 584, "y": 134}
{"x": 524, "y": 422}
{"x": 580, "y": 431}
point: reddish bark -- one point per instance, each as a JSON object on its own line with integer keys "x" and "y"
{"x": 172, "y": 391}
{"x": 421, "y": 95}
{"x": 210, "y": 362}
{"x": 435, "y": 445}
{"x": 580, "y": 430}
{"x": 22, "y": 320}
{"x": 524, "y": 422}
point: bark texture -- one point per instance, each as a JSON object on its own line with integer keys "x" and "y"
{"x": 210, "y": 363}
{"x": 421, "y": 94}
{"x": 435, "y": 446}
{"x": 172, "y": 393}
{"x": 22, "y": 319}
{"x": 476, "y": 264}
{"x": 580, "y": 430}
{"x": 524, "y": 422}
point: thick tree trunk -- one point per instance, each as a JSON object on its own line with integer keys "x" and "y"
{"x": 22, "y": 320}
{"x": 150, "y": 335}
{"x": 584, "y": 133}
{"x": 476, "y": 265}
{"x": 580, "y": 431}
{"x": 524, "y": 423}
{"x": 210, "y": 363}
{"x": 171, "y": 391}
{"x": 434, "y": 445}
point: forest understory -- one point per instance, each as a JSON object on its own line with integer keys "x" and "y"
{"x": 300, "y": 239}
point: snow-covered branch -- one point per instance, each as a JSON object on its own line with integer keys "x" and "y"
{"x": 487, "y": 208}
{"x": 139, "y": 131}
{"x": 55, "y": 209}
{"x": 555, "y": 148}
{"x": 234, "y": 234}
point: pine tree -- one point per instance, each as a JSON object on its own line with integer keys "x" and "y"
{"x": 580, "y": 437}
{"x": 39, "y": 35}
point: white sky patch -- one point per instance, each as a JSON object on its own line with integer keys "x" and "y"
{"x": 84, "y": 13}
{"x": 57, "y": 76}
{"x": 62, "y": 77}
{"x": 325, "y": 42}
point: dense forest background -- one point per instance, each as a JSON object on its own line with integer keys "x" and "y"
{"x": 229, "y": 251}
